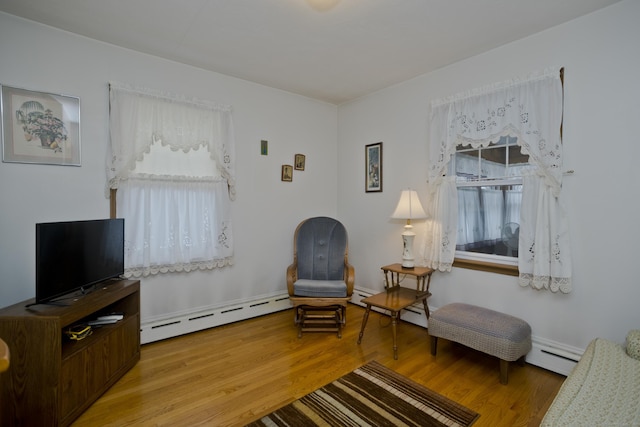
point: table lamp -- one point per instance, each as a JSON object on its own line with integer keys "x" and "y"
{"x": 408, "y": 208}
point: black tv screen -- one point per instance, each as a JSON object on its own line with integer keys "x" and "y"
{"x": 76, "y": 255}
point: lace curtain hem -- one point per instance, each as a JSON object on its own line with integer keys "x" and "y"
{"x": 440, "y": 266}
{"x": 553, "y": 284}
{"x": 173, "y": 268}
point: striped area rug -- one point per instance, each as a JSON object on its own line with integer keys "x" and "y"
{"x": 372, "y": 395}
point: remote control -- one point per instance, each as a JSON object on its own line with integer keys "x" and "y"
{"x": 101, "y": 322}
{"x": 115, "y": 317}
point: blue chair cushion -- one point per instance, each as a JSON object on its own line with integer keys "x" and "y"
{"x": 320, "y": 288}
{"x": 321, "y": 248}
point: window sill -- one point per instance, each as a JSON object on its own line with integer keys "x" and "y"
{"x": 491, "y": 267}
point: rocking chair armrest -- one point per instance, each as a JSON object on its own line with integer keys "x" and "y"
{"x": 349, "y": 277}
{"x": 292, "y": 276}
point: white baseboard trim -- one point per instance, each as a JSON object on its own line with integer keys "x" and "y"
{"x": 547, "y": 354}
{"x": 205, "y": 318}
{"x": 553, "y": 356}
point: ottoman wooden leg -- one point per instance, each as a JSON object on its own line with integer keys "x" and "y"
{"x": 434, "y": 345}
{"x": 504, "y": 371}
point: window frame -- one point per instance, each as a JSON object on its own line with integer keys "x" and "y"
{"x": 482, "y": 261}
{"x": 488, "y": 266}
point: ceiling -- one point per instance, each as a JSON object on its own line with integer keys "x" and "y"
{"x": 331, "y": 50}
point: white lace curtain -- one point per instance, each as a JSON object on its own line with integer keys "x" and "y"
{"x": 140, "y": 117}
{"x": 172, "y": 161}
{"x": 531, "y": 110}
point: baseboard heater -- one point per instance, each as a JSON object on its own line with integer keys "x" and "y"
{"x": 553, "y": 356}
{"x": 205, "y": 318}
{"x": 547, "y": 354}
{"x": 571, "y": 357}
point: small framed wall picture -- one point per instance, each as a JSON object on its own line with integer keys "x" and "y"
{"x": 299, "y": 162}
{"x": 287, "y": 173}
{"x": 373, "y": 167}
{"x": 39, "y": 127}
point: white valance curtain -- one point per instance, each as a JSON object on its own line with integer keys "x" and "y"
{"x": 531, "y": 110}
{"x": 172, "y": 161}
{"x": 140, "y": 117}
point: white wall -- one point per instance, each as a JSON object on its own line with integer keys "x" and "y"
{"x": 602, "y": 107}
{"x": 598, "y": 51}
{"x": 265, "y": 213}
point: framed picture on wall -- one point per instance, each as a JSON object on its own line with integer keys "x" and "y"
{"x": 299, "y": 163}
{"x": 40, "y": 127}
{"x": 287, "y": 173}
{"x": 373, "y": 167}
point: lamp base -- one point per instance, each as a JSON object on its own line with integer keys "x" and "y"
{"x": 407, "y": 252}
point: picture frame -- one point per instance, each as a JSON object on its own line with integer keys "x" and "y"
{"x": 287, "y": 173}
{"x": 373, "y": 167}
{"x": 264, "y": 147}
{"x": 39, "y": 127}
{"x": 299, "y": 162}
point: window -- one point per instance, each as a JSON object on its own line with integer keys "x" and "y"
{"x": 531, "y": 110}
{"x": 171, "y": 160}
{"x": 174, "y": 221}
{"x": 489, "y": 187}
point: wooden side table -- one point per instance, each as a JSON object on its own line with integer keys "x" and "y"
{"x": 396, "y": 297}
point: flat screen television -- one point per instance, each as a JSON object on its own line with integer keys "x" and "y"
{"x": 75, "y": 255}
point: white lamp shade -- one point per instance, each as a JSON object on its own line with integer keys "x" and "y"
{"x": 409, "y": 206}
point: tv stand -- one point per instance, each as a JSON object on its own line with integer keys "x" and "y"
{"x": 52, "y": 379}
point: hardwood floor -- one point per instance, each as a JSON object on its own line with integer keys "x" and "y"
{"x": 233, "y": 374}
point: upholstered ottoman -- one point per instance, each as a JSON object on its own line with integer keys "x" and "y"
{"x": 501, "y": 335}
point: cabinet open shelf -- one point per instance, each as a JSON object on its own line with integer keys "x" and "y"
{"x": 52, "y": 379}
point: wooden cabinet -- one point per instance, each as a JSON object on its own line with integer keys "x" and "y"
{"x": 51, "y": 379}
